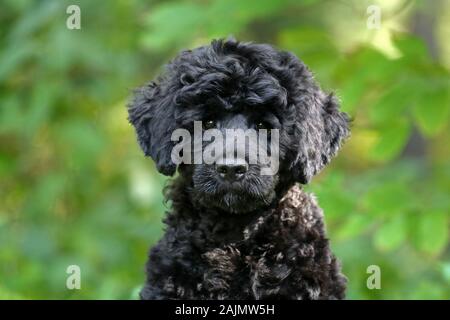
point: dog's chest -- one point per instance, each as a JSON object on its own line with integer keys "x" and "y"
{"x": 255, "y": 259}
{"x": 236, "y": 271}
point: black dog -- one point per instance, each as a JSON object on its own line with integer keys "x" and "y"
{"x": 233, "y": 233}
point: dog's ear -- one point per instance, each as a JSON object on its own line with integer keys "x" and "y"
{"x": 320, "y": 129}
{"x": 151, "y": 112}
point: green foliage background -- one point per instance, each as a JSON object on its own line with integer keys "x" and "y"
{"x": 75, "y": 188}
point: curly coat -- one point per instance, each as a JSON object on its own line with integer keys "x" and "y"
{"x": 276, "y": 247}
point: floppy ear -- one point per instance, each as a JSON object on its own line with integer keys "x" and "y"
{"x": 152, "y": 114}
{"x": 320, "y": 129}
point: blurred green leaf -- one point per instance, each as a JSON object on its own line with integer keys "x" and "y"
{"x": 314, "y": 47}
{"x": 354, "y": 226}
{"x": 391, "y": 234}
{"x": 412, "y": 48}
{"x": 171, "y": 22}
{"x": 432, "y": 232}
{"x": 387, "y": 199}
{"x": 6, "y": 294}
{"x": 445, "y": 267}
{"x": 432, "y": 111}
{"x": 392, "y": 138}
{"x": 392, "y": 104}
{"x": 33, "y": 19}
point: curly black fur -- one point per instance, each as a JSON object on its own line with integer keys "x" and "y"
{"x": 261, "y": 238}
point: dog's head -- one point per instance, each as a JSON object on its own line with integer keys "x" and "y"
{"x": 240, "y": 88}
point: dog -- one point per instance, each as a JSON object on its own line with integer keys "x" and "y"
{"x": 231, "y": 232}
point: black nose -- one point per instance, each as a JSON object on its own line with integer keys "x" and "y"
{"x": 231, "y": 171}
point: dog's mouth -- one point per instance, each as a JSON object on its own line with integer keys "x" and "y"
{"x": 234, "y": 202}
{"x": 252, "y": 193}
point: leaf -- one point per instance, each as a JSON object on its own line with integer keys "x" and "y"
{"x": 392, "y": 103}
{"x": 412, "y": 48}
{"x": 354, "y": 226}
{"x": 331, "y": 197}
{"x": 6, "y": 294}
{"x": 445, "y": 269}
{"x": 432, "y": 110}
{"x": 387, "y": 199}
{"x": 366, "y": 65}
{"x": 48, "y": 191}
{"x": 80, "y": 142}
{"x": 245, "y": 11}
{"x": 134, "y": 295}
{"x": 350, "y": 93}
{"x": 391, "y": 140}
{"x": 427, "y": 290}
{"x": 172, "y": 23}
{"x": 391, "y": 234}
{"x": 41, "y": 102}
{"x": 11, "y": 118}
{"x": 432, "y": 230}
{"x": 34, "y": 19}
{"x": 314, "y": 47}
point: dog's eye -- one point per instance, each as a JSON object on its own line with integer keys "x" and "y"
{"x": 209, "y": 124}
{"x": 263, "y": 125}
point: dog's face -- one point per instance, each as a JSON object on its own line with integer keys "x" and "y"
{"x": 237, "y": 89}
{"x": 234, "y": 179}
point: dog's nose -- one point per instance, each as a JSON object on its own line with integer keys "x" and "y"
{"x": 231, "y": 171}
